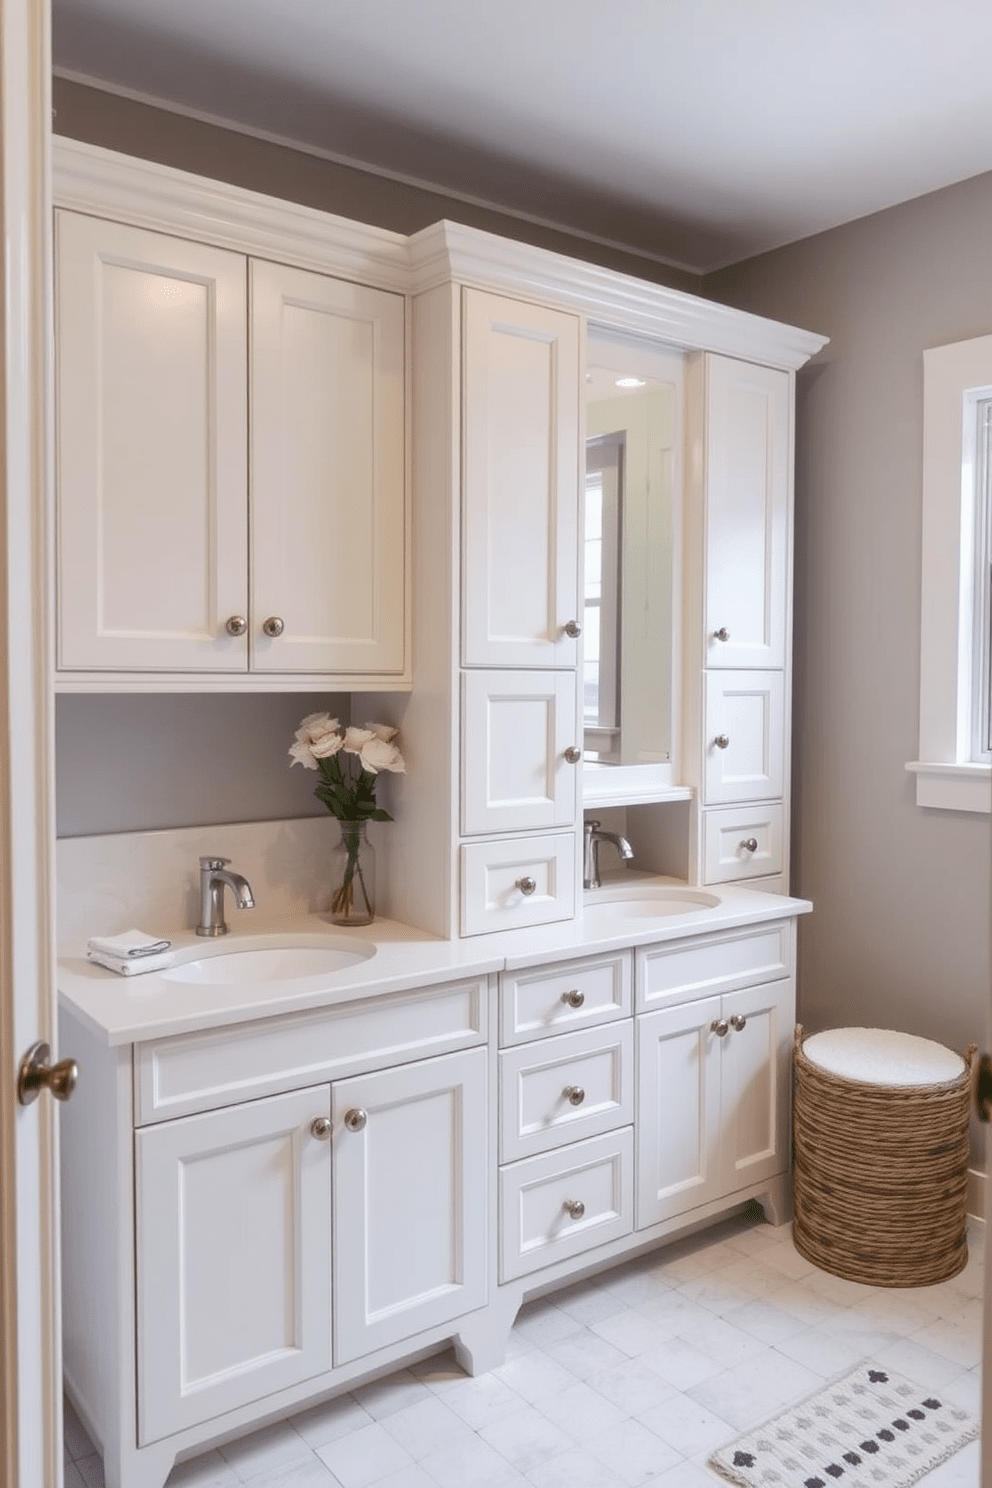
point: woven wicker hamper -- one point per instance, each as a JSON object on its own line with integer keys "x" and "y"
{"x": 880, "y": 1172}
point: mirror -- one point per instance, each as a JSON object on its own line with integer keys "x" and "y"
{"x": 633, "y": 415}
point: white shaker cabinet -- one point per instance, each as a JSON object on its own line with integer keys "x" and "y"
{"x": 231, "y": 465}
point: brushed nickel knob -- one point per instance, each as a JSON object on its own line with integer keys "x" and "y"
{"x": 750, "y": 844}
{"x": 574, "y": 1208}
{"x": 573, "y": 998}
{"x": 236, "y": 625}
{"x": 723, "y": 634}
{"x": 320, "y": 1127}
{"x": 355, "y": 1119}
{"x": 738, "y": 1022}
{"x": 273, "y": 626}
{"x": 573, "y": 754}
{"x": 573, "y": 629}
{"x": 526, "y": 885}
{"x": 722, "y": 741}
{"x": 720, "y": 1027}
{"x": 36, "y": 1074}
{"x": 574, "y": 1094}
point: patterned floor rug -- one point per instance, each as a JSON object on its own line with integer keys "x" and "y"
{"x": 869, "y": 1428}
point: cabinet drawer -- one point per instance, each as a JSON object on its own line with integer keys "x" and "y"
{"x": 195, "y": 1072}
{"x": 578, "y": 1085}
{"x": 558, "y": 999}
{"x": 745, "y": 737}
{"x": 496, "y": 873}
{"x": 727, "y": 835}
{"x": 686, "y": 969}
{"x": 540, "y": 1222}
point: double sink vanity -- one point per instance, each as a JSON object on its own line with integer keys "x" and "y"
{"x": 300, "y": 1157}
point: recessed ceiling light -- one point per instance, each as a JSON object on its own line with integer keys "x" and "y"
{"x": 627, "y": 382}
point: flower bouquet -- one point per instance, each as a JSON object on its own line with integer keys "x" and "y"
{"x": 348, "y": 763}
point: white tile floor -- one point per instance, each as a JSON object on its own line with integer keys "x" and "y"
{"x": 629, "y": 1380}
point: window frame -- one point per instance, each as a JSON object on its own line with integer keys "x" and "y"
{"x": 948, "y": 775}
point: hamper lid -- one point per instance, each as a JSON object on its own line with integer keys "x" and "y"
{"x": 878, "y": 1056}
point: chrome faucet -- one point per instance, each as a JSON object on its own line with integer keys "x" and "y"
{"x": 213, "y": 877}
{"x": 594, "y": 835}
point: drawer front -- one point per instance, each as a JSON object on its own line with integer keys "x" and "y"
{"x": 745, "y": 737}
{"x": 578, "y": 1085}
{"x": 540, "y": 1221}
{"x": 557, "y": 999}
{"x": 497, "y": 877}
{"x": 687, "y": 969}
{"x": 728, "y": 835}
{"x": 198, "y": 1072}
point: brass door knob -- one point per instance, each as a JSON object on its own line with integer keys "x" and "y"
{"x": 37, "y": 1074}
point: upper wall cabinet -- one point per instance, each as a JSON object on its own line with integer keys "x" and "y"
{"x": 231, "y": 452}
{"x": 520, "y": 505}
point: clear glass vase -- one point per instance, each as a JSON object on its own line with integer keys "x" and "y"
{"x": 352, "y": 877}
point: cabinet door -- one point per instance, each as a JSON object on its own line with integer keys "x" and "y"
{"x": 516, "y": 728}
{"x": 678, "y": 1110}
{"x": 756, "y": 1082}
{"x": 327, "y": 474}
{"x": 748, "y": 444}
{"x": 233, "y": 1258}
{"x": 152, "y": 450}
{"x": 744, "y": 736}
{"x": 411, "y": 1150}
{"x": 520, "y": 431}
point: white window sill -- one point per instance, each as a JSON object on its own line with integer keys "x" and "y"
{"x": 953, "y": 787}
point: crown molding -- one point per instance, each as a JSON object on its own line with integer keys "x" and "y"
{"x": 89, "y": 178}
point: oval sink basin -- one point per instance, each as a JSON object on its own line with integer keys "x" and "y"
{"x": 292, "y": 963}
{"x": 648, "y": 903}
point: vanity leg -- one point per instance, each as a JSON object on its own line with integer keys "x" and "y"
{"x": 776, "y": 1201}
{"x": 480, "y": 1343}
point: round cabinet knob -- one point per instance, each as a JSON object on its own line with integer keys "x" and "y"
{"x": 573, "y": 629}
{"x": 722, "y": 741}
{"x": 738, "y": 1022}
{"x": 37, "y": 1074}
{"x": 574, "y": 1094}
{"x": 527, "y": 885}
{"x": 574, "y": 1208}
{"x": 273, "y": 626}
{"x": 750, "y": 844}
{"x": 573, "y": 754}
{"x": 720, "y": 1027}
{"x": 355, "y": 1119}
{"x": 236, "y": 625}
{"x": 574, "y": 998}
{"x": 320, "y": 1128}
{"x": 723, "y": 634}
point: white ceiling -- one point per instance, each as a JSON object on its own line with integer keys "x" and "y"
{"x": 698, "y": 132}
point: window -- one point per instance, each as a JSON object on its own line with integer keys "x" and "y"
{"x": 954, "y": 770}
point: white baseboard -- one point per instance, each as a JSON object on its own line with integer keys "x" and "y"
{"x": 976, "y": 1194}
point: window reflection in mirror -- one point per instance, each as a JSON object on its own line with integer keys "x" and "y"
{"x": 633, "y": 413}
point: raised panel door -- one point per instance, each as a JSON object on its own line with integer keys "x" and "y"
{"x": 328, "y": 552}
{"x": 152, "y": 527}
{"x": 678, "y": 1110}
{"x": 744, "y": 736}
{"x": 520, "y": 503}
{"x": 233, "y": 1258}
{"x": 748, "y": 445}
{"x": 410, "y": 1200}
{"x": 516, "y": 729}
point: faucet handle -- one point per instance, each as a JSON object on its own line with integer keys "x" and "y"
{"x": 214, "y": 862}
{"x": 592, "y": 826}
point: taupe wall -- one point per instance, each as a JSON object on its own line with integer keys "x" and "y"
{"x": 900, "y": 934}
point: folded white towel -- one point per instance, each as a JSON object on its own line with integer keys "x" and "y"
{"x": 129, "y": 943}
{"x": 131, "y": 965}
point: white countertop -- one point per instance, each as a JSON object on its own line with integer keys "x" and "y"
{"x": 135, "y": 1008}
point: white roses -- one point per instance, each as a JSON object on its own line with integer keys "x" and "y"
{"x": 319, "y": 744}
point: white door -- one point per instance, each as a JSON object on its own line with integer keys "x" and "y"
{"x": 233, "y": 1242}
{"x": 744, "y": 736}
{"x": 520, "y": 499}
{"x": 30, "y": 1354}
{"x": 755, "y": 1085}
{"x": 678, "y": 1110}
{"x": 153, "y": 459}
{"x": 411, "y": 1149}
{"x": 748, "y": 458}
{"x": 519, "y": 751}
{"x": 327, "y": 474}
